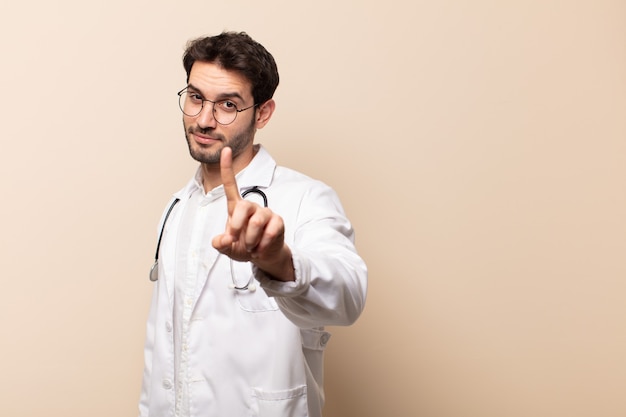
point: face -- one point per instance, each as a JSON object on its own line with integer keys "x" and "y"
{"x": 206, "y": 138}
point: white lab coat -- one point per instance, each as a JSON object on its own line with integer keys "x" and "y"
{"x": 258, "y": 353}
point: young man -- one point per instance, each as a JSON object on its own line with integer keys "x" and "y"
{"x": 244, "y": 286}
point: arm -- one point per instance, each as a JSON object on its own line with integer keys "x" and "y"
{"x": 318, "y": 279}
{"x": 330, "y": 283}
{"x": 148, "y": 349}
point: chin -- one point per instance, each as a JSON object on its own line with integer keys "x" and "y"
{"x": 205, "y": 156}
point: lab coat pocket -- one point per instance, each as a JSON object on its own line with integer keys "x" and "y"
{"x": 253, "y": 299}
{"x": 286, "y": 403}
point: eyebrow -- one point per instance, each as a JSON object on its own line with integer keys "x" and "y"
{"x": 221, "y": 96}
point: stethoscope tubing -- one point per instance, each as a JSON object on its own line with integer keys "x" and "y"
{"x": 154, "y": 270}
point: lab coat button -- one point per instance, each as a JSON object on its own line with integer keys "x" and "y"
{"x": 167, "y": 384}
{"x": 168, "y": 326}
{"x": 324, "y": 339}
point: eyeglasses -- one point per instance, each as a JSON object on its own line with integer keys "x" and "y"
{"x": 224, "y": 111}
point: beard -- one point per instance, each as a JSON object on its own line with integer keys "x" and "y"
{"x": 238, "y": 142}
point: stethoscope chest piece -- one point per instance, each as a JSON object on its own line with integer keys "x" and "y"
{"x": 154, "y": 271}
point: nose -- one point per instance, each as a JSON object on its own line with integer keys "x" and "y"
{"x": 206, "y": 118}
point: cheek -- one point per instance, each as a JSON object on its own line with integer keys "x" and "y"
{"x": 189, "y": 124}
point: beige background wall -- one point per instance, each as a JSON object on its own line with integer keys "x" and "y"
{"x": 478, "y": 146}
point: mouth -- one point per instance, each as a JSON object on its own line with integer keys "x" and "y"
{"x": 204, "y": 139}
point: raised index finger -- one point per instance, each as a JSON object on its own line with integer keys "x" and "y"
{"x": 228, "y": 179}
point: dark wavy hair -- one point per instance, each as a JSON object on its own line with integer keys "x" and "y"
{"x": 237, "y": 52}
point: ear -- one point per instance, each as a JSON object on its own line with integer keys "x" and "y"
{"x": 264, "y": 113}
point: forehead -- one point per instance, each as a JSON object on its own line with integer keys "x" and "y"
{"x": 213, "y": 80}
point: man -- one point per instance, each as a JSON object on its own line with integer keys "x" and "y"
{"x": 244, "y": 287}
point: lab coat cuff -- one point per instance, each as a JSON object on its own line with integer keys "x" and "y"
{"x": 275, "y": 288}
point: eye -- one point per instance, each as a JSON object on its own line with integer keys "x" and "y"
{"x": 227, "y": 106}
{"x": 195, "y": 97}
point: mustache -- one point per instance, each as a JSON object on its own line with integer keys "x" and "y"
{"x": 207, "y": 131}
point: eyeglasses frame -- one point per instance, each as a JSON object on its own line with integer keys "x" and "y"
{"x": 237, "y": 111}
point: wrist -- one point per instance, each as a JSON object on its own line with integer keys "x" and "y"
{"x": 279, "y": 268}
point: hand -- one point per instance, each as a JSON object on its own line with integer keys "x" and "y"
{"x": 253, "y": 233}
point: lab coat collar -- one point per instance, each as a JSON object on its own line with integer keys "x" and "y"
{"x": 258, "y": 173}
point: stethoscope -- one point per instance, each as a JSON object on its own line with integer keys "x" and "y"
{"x": 154, "y": 271}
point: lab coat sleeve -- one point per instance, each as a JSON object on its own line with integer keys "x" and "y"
{"x": 148, "y": 351}
{"x": 331, "y": 278}
{"x": 151, "y": 333}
